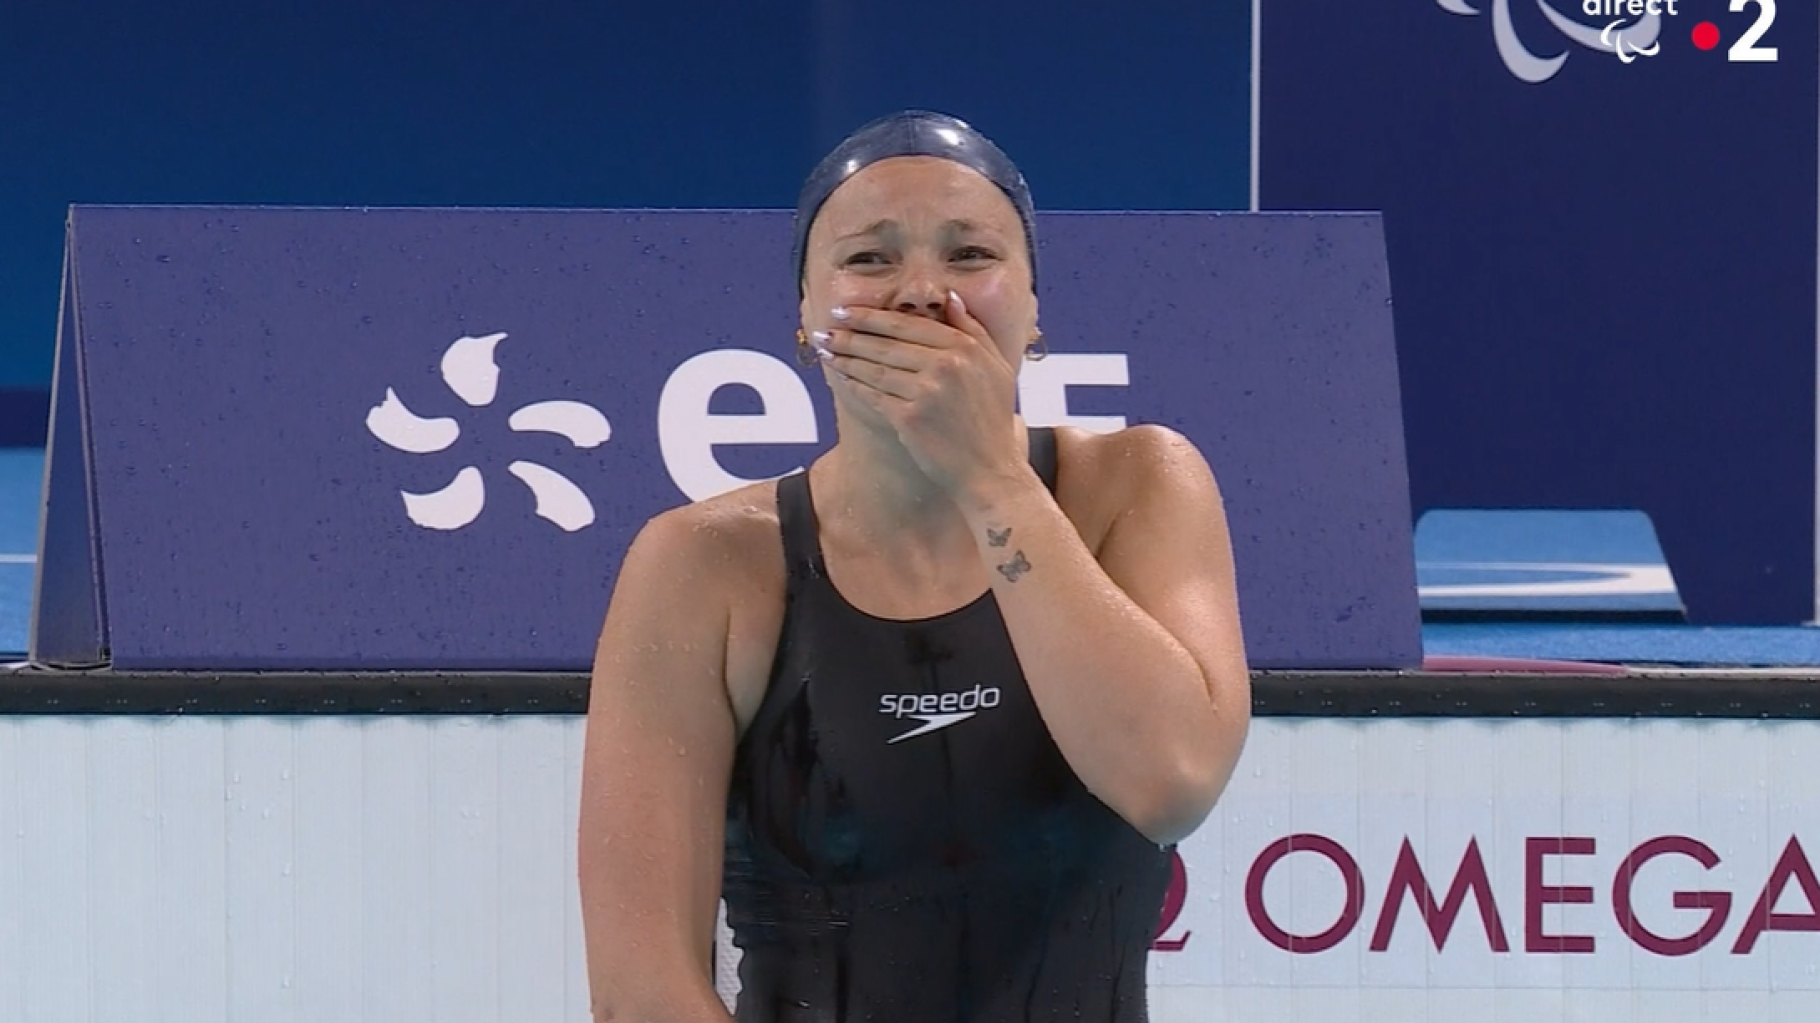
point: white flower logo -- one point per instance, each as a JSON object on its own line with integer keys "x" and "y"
{"x": 469, "y": 370}
{"x": 1630, "y": 42}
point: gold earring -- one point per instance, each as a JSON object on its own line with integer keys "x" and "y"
{"x": 805, "y": 356}
{"x": 1038, "y": 349}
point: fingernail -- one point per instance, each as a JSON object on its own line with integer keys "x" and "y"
{"x": 954, "y": 300}
{"x": 839, "y": 312}
{"x": 820, "y": 337}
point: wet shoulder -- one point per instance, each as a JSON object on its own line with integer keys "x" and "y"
{"x": 729, "y": 552}
{"x": 720, "y": 525}
{"x": 1100, "y": 474}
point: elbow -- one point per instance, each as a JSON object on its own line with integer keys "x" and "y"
{"x": 1183, "y": 796}
{"x": 1176, "y": 803}
{"x": 1175, "y": 814}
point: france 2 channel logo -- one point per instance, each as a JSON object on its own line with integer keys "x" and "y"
{"x": 1627, "y": 29}
{"x": 1747, "y": 48}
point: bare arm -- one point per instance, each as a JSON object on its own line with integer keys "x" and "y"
{"x": 659, "y": 752}
{"x": 1136, "y": 660}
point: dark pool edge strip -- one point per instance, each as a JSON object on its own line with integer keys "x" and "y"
{"x": 1682, "y": 693}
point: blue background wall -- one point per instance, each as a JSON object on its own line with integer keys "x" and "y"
{"x": 1605, "y": 282}
{"x": 566, "y": 103}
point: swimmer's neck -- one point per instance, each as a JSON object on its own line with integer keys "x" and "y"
{"x": 874, "y": 491}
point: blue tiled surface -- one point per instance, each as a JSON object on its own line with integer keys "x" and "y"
{"x": 21, "y": 483}
{"x": 1542, "y": 559}
{"x": 1718, "y": 646}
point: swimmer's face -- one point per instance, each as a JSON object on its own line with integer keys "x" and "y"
{"x": 903, "y": 232}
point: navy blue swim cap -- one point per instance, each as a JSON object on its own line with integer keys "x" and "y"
{"x": 912, "y": 133}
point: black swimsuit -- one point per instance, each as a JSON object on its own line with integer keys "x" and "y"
{"x": 905, "y": 842}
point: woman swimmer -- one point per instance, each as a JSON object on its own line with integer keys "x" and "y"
{"x": 928, "y": 715}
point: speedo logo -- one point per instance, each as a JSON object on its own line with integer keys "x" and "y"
{"x": 937, "y": 711}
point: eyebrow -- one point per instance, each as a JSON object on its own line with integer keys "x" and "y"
{"x": 879, "y": 227}
{"x": 876, "y": 227}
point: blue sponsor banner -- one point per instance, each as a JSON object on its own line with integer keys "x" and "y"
{"x": 1601, "y": 219}
{"x": 421, "y": 439}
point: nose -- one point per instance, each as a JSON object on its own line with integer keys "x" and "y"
{"x": 933, "y": 308}
{"x": 922, "y": 292}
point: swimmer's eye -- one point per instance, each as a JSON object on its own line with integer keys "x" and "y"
{"x": 867, "y": 258}
{"x": 973, "y": 254}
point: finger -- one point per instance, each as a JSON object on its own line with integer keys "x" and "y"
{"x": 919, "y": 330}
{"x": 885, "y": 404}
{"x": 886, "y": 351}
{"x": 963, "y": 321}
{"x": 875, "y": 376}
